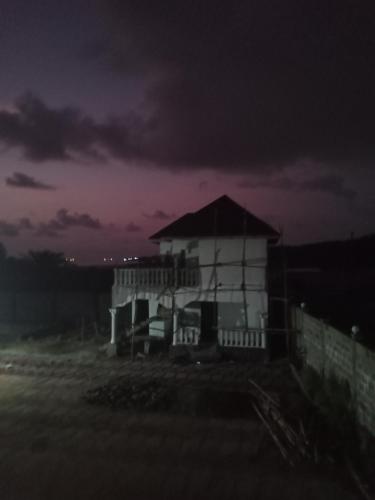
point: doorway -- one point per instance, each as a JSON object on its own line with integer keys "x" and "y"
{"x": 208, "y": 321}
{"x": 141, "y": 314}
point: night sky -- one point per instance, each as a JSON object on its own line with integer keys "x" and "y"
{"x": 118, "y": 116}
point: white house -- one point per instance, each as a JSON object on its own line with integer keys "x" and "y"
{"x": 207, "y": 285}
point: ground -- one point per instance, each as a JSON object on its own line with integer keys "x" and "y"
{"x": 56, "y": 446}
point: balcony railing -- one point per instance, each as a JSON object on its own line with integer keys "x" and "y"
{"x": 157, "y": 277}
{"x": 242, "y": 338}
{"x": 187, "y": 335}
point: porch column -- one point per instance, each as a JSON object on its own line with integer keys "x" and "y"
{"x": 175, "y": 323}
{"x": 263, "y": 326}
{"x": 134, "y": 305}
{"x": 113, "y": 311}
{"x": 263, "y": 320}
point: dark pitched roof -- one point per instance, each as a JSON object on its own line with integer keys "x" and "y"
{"x": 222, "y": 217}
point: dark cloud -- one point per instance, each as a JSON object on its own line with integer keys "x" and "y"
{"x": 8, "y": 229}
{"x": 203, "y": 185}
{"x": 283, "y": 183}
{"x": 159, "y": 215}
{"x": 250, "y": 85}
{"x": 329, "y": 183}
{"x": 20, "y": 180}
{"x": 133, "y": 228}
{"x": 25, "y": 223}
{"x": 46, "y": 230}
{"x": 246, "y": 86}
{"x": 63, "y": 220}
{"x": 13, "y": 229}
{"x": 44, "y": 133}
{"x": 62, "y": 134}
{"x": 54, "y": 227}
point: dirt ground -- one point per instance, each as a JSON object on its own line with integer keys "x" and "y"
{"x": 56, "y": 446}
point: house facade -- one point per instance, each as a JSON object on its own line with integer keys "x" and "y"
{"x": 208, "y": 285}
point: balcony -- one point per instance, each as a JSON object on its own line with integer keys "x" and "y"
{"x": 157, "y": 277}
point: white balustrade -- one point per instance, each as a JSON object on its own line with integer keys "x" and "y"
{"x": 157, "y": 277}
{"x": 187, "y": 335}
{"x": 242, "y": 338}
{"x": 250, "y": 339}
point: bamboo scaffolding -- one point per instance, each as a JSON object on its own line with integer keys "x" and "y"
{"x": 243, "y": 269}
{"x": 215, "y": 258}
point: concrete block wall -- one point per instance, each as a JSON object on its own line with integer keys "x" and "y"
{"x": 328, "y": 350}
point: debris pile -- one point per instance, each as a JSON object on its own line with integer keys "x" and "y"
{"x": 130, "y": 395}
{"x": 157, "y": 395}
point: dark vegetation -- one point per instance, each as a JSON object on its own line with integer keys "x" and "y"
{"x": 45, "y": 270}
{"x": 335, "y": 279}
{"x": 42, "y": 294}
{"x": 328, "y": 255}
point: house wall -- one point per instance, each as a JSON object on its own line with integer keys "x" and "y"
{"x": 328, "y": 350}
{"x": 229, "y": 254}
{"x": 232, "y": 316}
{"x": 229, "y": 294}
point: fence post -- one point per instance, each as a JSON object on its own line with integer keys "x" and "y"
{"x": 82, "y": 329}
{"x": 323, "y": 346}
{"x": 355, "y": 331}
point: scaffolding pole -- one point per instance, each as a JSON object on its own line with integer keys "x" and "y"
{"x": 243, "y": 286}
{"x": 285, "y": 292}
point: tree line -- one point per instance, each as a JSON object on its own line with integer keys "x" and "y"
{"x": 43, "y": 270}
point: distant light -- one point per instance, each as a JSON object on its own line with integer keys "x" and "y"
{"x": 125, "y": 259}
{"x": 130, "y": 258}
{"x": 105, "y": 260}
{"x": 111, "y": 259}
{"x": 136, "y": 258}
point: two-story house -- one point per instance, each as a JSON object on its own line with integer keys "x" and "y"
{"x": 207, "y": 285}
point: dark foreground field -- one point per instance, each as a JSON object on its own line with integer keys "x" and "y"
{"x": 54, "y": 445}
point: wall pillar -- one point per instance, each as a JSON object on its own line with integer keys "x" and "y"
{"x": 134, "y": 305}
{"x": 175, "y": 324}
{"x": 263, "y": 320}
{"x": 113, "y": 311}
{"x": 263, "y": 327}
